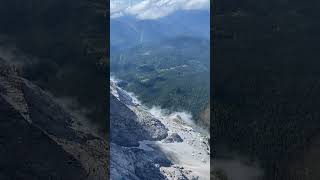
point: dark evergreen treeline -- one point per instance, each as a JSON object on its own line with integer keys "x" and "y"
{"x": 266, "y": 91}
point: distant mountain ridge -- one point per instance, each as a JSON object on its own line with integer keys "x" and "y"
{"x": 128, "y": 31}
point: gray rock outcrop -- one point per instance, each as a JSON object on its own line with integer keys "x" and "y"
{"x": 140, "y": 146}
{"x": 130, "y": 123}
{"x": 174, "y": 137}
{"x": 38, "y": 136}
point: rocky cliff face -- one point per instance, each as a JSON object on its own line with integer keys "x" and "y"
{"x": 58, "y": 46}
{"x": 63, "y": 48}
{"x": 146, "y": 145}
{"x": 42, "y": 139}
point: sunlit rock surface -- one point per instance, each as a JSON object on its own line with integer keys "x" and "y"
{"x": 148, "y": 145}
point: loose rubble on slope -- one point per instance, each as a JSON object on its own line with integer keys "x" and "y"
{"x": 42, "y": 135}
{"x": 149, "y": 146}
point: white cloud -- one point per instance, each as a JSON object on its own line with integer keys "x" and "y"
{"x": 154, "y": 9}
{"x": 117, "y": 8}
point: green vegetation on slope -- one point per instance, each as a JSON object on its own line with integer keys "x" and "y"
{"x": 266, "y": 82}
{"x": 173, "y": 74}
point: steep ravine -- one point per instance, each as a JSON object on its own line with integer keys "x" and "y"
{"x": 150, "y": 144}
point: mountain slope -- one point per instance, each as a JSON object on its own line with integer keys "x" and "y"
{"x": 160, "y": 74}
{"x": 61, "y": 45}
{"x": 43, "y": 138}
{"x": 168, "y": 148}
{"x": 266, "y": 88}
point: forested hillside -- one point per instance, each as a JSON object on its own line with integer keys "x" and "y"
{"x": 266, "y": 84}
{"x": 172, "y": 74}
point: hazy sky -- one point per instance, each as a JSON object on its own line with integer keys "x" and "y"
{"x": 154, "y": 9}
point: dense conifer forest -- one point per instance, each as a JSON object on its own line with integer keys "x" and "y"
{"x": 266, "y": 87}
